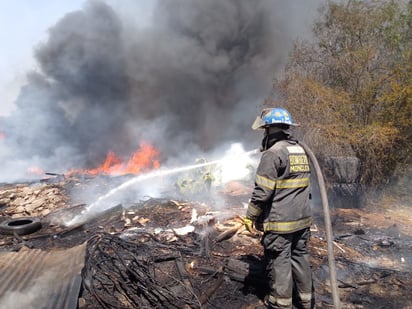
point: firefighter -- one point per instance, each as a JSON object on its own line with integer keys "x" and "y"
{"x": 196, "y": 182}
{"x": 279, "y": 207}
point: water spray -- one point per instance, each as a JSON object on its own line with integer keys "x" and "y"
{"x": 96, "y": 207}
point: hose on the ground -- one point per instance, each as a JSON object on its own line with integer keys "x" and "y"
{"x": 328, "y": 225}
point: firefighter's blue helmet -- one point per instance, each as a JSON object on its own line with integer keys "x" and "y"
{"x": 273, "y": 117}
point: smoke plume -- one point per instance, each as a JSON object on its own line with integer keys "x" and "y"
{"x": 193, "y": 79}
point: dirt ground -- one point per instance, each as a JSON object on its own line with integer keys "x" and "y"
{"x": 217, "y": 263}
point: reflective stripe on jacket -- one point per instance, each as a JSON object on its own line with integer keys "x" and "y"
{"x": 280, "y": 199}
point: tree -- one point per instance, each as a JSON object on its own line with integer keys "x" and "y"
{"x": 351, "y": 86}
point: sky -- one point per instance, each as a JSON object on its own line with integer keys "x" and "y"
{"x": 23, "y": 25}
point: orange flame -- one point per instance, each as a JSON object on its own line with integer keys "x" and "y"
{"x": 144, "y": 159}
{"x": 35, "y": 170}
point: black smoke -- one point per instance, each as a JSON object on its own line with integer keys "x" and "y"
{"x": 194, "y": 79}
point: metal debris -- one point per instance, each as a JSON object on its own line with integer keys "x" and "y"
{"x": 38, "y": 279}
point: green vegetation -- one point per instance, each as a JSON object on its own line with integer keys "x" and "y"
{"x": 350, "y": 86}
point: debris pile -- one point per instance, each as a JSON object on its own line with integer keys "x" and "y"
{"x": 35, "y": 200}
{"x": 144, "y": 274}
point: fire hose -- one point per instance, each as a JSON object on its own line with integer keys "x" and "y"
{"x": 328, "y": 225}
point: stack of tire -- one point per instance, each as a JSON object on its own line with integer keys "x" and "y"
{"x": 342, "y": 174}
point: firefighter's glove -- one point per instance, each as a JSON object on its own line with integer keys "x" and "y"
{"x": 249, "y": 225}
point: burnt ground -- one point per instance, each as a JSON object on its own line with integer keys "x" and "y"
{"x": 194, "y": 253}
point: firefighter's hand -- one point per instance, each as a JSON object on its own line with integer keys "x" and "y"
{"x": 249, "y": 225}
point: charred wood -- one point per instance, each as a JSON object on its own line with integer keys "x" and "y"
{"x": 134, "y": 274}
{"x": 209, "y": 292}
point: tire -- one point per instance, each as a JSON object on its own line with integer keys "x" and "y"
{"x": 20, "y": 226}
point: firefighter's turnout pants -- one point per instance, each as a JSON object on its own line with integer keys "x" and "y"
{"x": 288, "y": 267}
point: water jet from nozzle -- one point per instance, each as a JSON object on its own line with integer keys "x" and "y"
{"x": 99, "y": 205}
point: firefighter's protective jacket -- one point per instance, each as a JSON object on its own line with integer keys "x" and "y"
{"x": 280, "y": 199}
